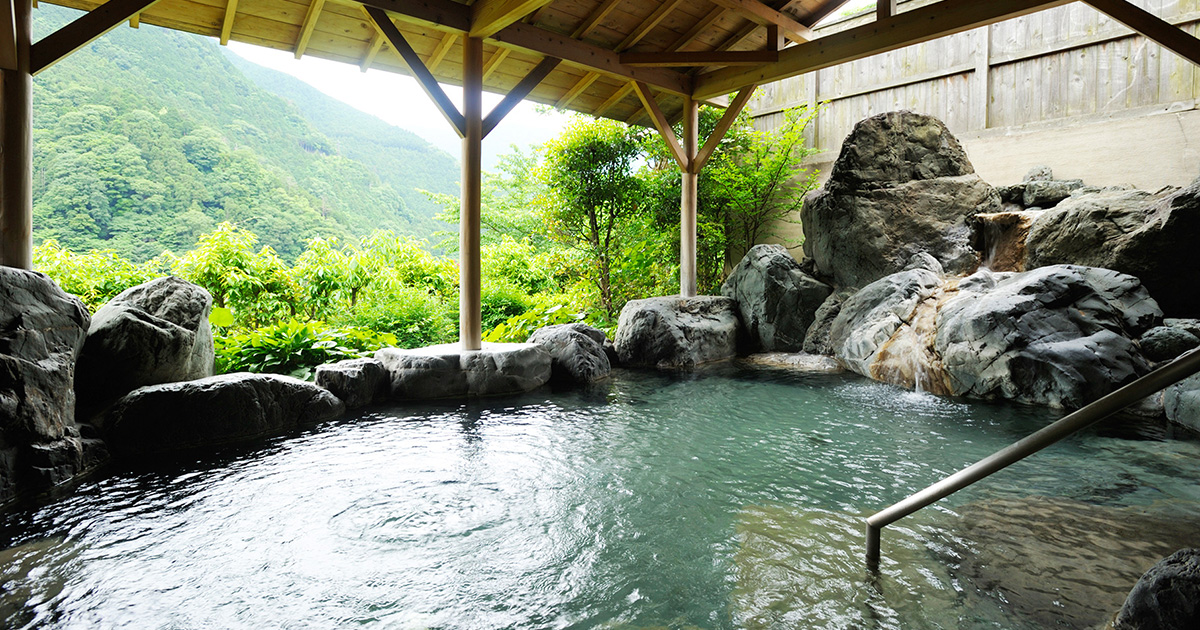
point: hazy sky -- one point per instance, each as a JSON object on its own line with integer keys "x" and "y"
{"x": 399, "y": 100}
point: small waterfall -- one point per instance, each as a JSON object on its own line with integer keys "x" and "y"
{"x": 908, "y": 358}
{"x": 1000, "y": 238}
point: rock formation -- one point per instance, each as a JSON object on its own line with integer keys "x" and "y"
{"x": 1167, "y": 597}
{"x": 1060, "y": 336}
{"x": 214, "y": 411}
{"x": 777, "y": 301}
{"x": 448, "y": 371}
{"x": 901, "y": 185}
{"x": 157, "y": 332}
{"x": 356, "y": 382}
{"x": 674, "y": 332}
{"x": 576, "y": 351}
{"x": 42, "y": 330}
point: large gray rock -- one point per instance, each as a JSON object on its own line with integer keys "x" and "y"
{"x": 1163, "y": 343}
{"x": 1181, "y": 402}
{"x": 816, "y": 340}
{"x": 214, "y": 411}
{"x": 576, "y": 352}
{"x": 357, "y": 382}
{"x": 901, "y": 185}
{"x": 448, "y": 371}
{"x": 776, "y": 300}
{"x": 1150, "y": 236}
{"x": 42, "y": 330}
{"x": 157, "y": 332}
{"x": 1059, "y": 336}
{"x": 1167, "y": 597}
{"x": 674, "y": 332}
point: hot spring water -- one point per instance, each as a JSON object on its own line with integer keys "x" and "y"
{"x": 728, "y": 499}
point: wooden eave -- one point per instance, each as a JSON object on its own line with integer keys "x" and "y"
{"x": 519, "y": 34}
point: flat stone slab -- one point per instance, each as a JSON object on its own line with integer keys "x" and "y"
{"x": 448, "y": 371}
{"x": 795, "y": 361}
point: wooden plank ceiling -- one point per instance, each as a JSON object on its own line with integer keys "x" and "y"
{"x": 606, "y": 45}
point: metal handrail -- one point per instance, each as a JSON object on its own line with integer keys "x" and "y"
{"x": 1182, "y": 367}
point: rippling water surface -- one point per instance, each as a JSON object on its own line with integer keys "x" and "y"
{"x": 725, "y": 499}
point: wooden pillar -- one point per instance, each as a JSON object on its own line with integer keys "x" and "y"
{"x": 687, "y": 202}
{"x": 469, "y": 304}
{"x": 16, "y": 145}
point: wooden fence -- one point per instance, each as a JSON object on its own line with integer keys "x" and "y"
{"x": 1063, "y": 66}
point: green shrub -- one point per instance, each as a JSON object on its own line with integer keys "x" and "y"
{"x": 518, "y": 328}
{"x": 413, "y": 316}
{"x": 96, "y": 277}
{"x": 500, "y": 301}
{"x": 295, "y": 348}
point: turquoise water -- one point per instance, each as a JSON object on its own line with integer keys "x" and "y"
{"x": 731, "y": 498}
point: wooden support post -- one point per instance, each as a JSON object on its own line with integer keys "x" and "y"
{"x": 687, "y": 201}
{"x": 16, "y": 143}
{"x": 470, "y": 333}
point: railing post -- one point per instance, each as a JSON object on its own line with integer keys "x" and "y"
{"x": 873, "y": 548}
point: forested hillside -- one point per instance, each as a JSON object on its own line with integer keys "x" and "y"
{"x": 148, "y": 138}
{"x": 397, "y": 157}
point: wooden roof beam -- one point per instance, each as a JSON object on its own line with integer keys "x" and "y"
{"x": 227, "y": 21}
{"x": 82, "y": 31}
{"x": 577, "y": 89}
{"x": 310, "y": 23}
{"x": 662, "y": 125}
{"x": 616, "y": 97}
{"x": 494, "y": 62}
{"x": 697, "y": 29}
{"x": 764, "y": 15}
{"x": 590, "y": 24}
{"x": 420, "y": 72}
{"x": 447, "y": 14}
{"x": 518, "y": 93}
{"x": 1153, "y": 27}
{"x": 643, "y": 29}
{"x": 701, "y": 58}
{"x": 490, "y": 16}
{"x": 905, "y": 29}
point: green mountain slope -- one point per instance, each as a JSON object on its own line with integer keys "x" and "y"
{"x": 396, "y": 156}
{"x": 147, "y": 138}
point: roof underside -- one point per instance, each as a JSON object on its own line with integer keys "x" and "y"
{"x": 589, "y": 35}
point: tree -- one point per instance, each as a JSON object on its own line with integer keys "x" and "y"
{"x": 589, "y": 170}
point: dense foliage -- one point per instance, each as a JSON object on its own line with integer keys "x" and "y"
{"x": 146, "y": 139}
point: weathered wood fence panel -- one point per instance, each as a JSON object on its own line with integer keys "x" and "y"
{"x": 1070, "y": 63}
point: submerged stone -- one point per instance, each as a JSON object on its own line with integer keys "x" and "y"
{"x": 675, "y": 332}
{"x": 448, "y": 371}
{"x": 1167, "y": 597}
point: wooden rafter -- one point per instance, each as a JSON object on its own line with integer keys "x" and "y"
{"x": 643, "y": 29}
{"x": 1164, "y": 33}
{"x": 587, "y": 26}
{"x": 698, "y": 28}
{"x": 439, "y": 53}
{"x": 616, "y": 97}
{"x": 905, "y": 29}
{"x": 701, "y": 58}
{"x": 577, "y": 89}
{"x": 83, "y": 30}
{"x": 518, "y": 93}
{"x": 824, "y": 11}
{"x": 310, "y": 23}
{"x": 489, "y": 16}
{"x": 135, "y": 21}
{"x": 764, "y": 15}
{"x": 447, "y": 14}
{"x": 227, "y": 21}
{"x": 372, "y": 51}
{"x": 494, "y": 62}
{"x": 422, "y": 74}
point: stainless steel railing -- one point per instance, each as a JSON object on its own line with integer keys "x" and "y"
{"x": 1182, "y": 367}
